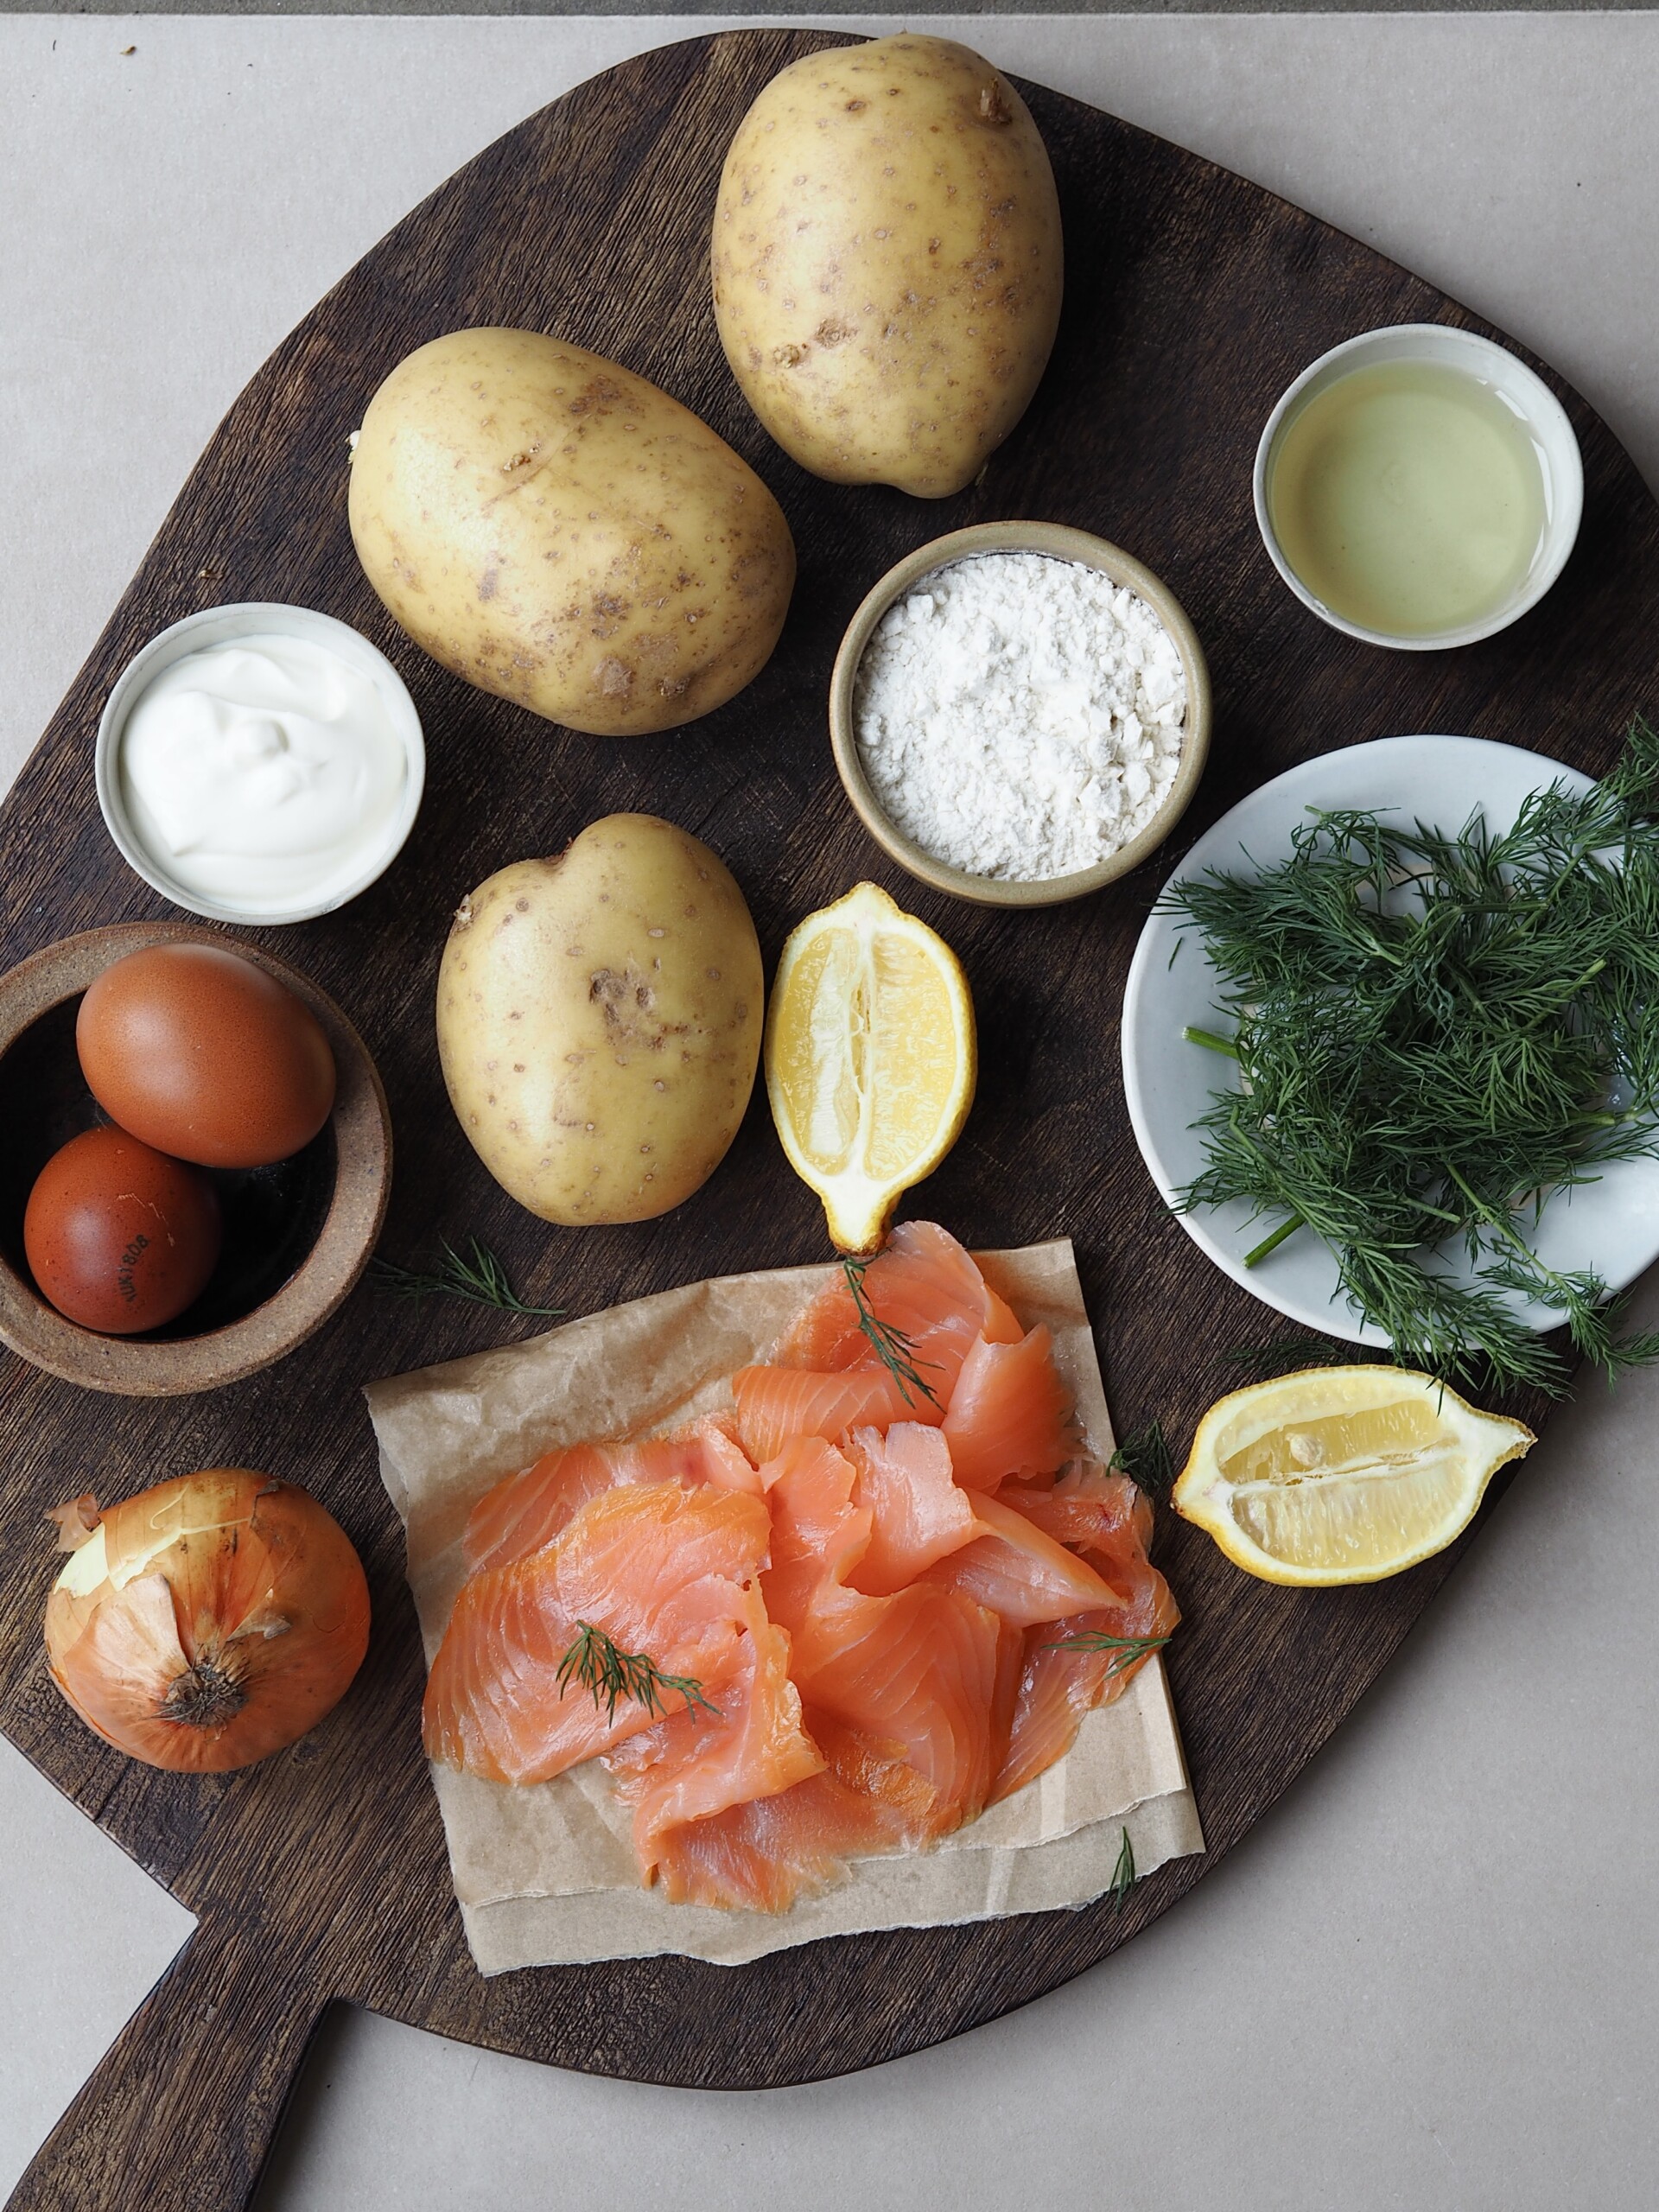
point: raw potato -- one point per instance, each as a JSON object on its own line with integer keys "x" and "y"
{"x": 887, "y": 262}
{"x": 560, "y": 532}
{"x": 599, "y": 1021}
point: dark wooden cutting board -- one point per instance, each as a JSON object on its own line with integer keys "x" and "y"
{"x": 1193, "y": 299}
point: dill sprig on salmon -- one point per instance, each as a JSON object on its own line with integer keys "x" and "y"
{"x": 1127, "y": 1650}
{"x": 895, "y": 1351}
{"x": 597, "y": 1663}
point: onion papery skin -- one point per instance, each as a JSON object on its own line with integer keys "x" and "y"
{"x": 209, "y": 1621}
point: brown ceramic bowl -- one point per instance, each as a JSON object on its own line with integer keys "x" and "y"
{"x": 1062, "y": 544}
{"x": 297, "y": 1236}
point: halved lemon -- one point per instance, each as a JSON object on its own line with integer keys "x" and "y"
{"x": 870, "y": 1057}
{"x": 1342, "y": 1474}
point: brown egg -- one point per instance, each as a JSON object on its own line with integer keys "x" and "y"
{"x": 119, "y": 1238}
{"x": 203, "y": 1055}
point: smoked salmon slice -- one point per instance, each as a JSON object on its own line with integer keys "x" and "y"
{"x": 782, "y": 1815}
{"x": 918, "y": 1669}
{"x": 827, "y": 1377}
{"x": 919, "y": 1511}
{"x": 762, "y": 1856}
{"x": 921, "y": 1670}
{"x": 1101, "y": 1516}
{"x": 1010, "y": 1414}
{"x": 776, "y": 1404}
{"x": 658, "y": 1568}
{"x": 923, "y": 1284}
{"x": 1108, "y": 1522}
{"x": 696, "y": 1765}
{"x": 820, "y": 1528}
{"x": 529, "y": 1509}
{"x": 1018, "y": 1572}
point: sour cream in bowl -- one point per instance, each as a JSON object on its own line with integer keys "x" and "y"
{"x": 260, "y": 763}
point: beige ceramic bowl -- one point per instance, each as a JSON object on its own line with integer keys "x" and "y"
{"x": 1062, "y": 544}
{"x": 296, "y": 1237}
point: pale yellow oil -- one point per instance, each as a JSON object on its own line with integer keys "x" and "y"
{"x": 1409, "y": 498}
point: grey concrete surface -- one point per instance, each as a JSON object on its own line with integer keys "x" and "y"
{"x": 833, "y": 8}
{"x": 83, "y": 1934}
{"x": 1428, "y": 1979}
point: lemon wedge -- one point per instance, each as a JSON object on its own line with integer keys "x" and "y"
{"x": 1342, "y": 1474}
{"x": 870, "y": 1057}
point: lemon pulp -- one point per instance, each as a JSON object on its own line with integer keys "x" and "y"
{"x": 870, "y": 1057}
{"x": 1343, "y": 1474}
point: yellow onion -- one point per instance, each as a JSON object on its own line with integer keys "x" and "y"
{"x": 207, "y": 1621}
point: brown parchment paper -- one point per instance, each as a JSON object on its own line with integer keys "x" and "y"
{"x": 545, "y": 1875}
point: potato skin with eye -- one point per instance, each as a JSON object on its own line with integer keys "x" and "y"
{"x": 886, "y": 260}
{"x": 599, "y": 1021}
{"x": 557, "y": 531}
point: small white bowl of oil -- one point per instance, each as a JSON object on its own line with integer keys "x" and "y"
{"x": 1419, "y": 487}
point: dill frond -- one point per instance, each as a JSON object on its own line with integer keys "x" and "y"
{"x": 893, "y": 1347}
{"x": 1145, "y": 1459}
{"x": 599, "y": 1664}
{"x": 1123, "y": 1876}
{"x": 1127, "y": 1649}
{"x": 1288, "y": 1355}
{"x": 479, "y": 1279}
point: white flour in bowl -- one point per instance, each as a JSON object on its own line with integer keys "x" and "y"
{"x": 1020, "y": 716}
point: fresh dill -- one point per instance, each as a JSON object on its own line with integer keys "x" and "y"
{"x": 597, "y": 1663}
{"x": 1127, "y": 1649}
{"x": 1435, "y": 1033}
{"x": 893, "y": 1347}
{"x": 1145, "y": 1459}
{"x": 1288, "y": 1355}
{"x": 1122, "y": 1874}
{"x": 479, "y": 1279}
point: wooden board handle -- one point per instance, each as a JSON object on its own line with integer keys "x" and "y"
{"x": 182, "y": 2108}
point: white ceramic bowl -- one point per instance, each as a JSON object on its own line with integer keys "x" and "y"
{"x": 1612, "y": 1225}
{"x": 221, "y": 626}
{"x": 1553, "y": 440}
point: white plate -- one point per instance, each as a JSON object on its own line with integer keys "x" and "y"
{"x": 1612, "y": 1225}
